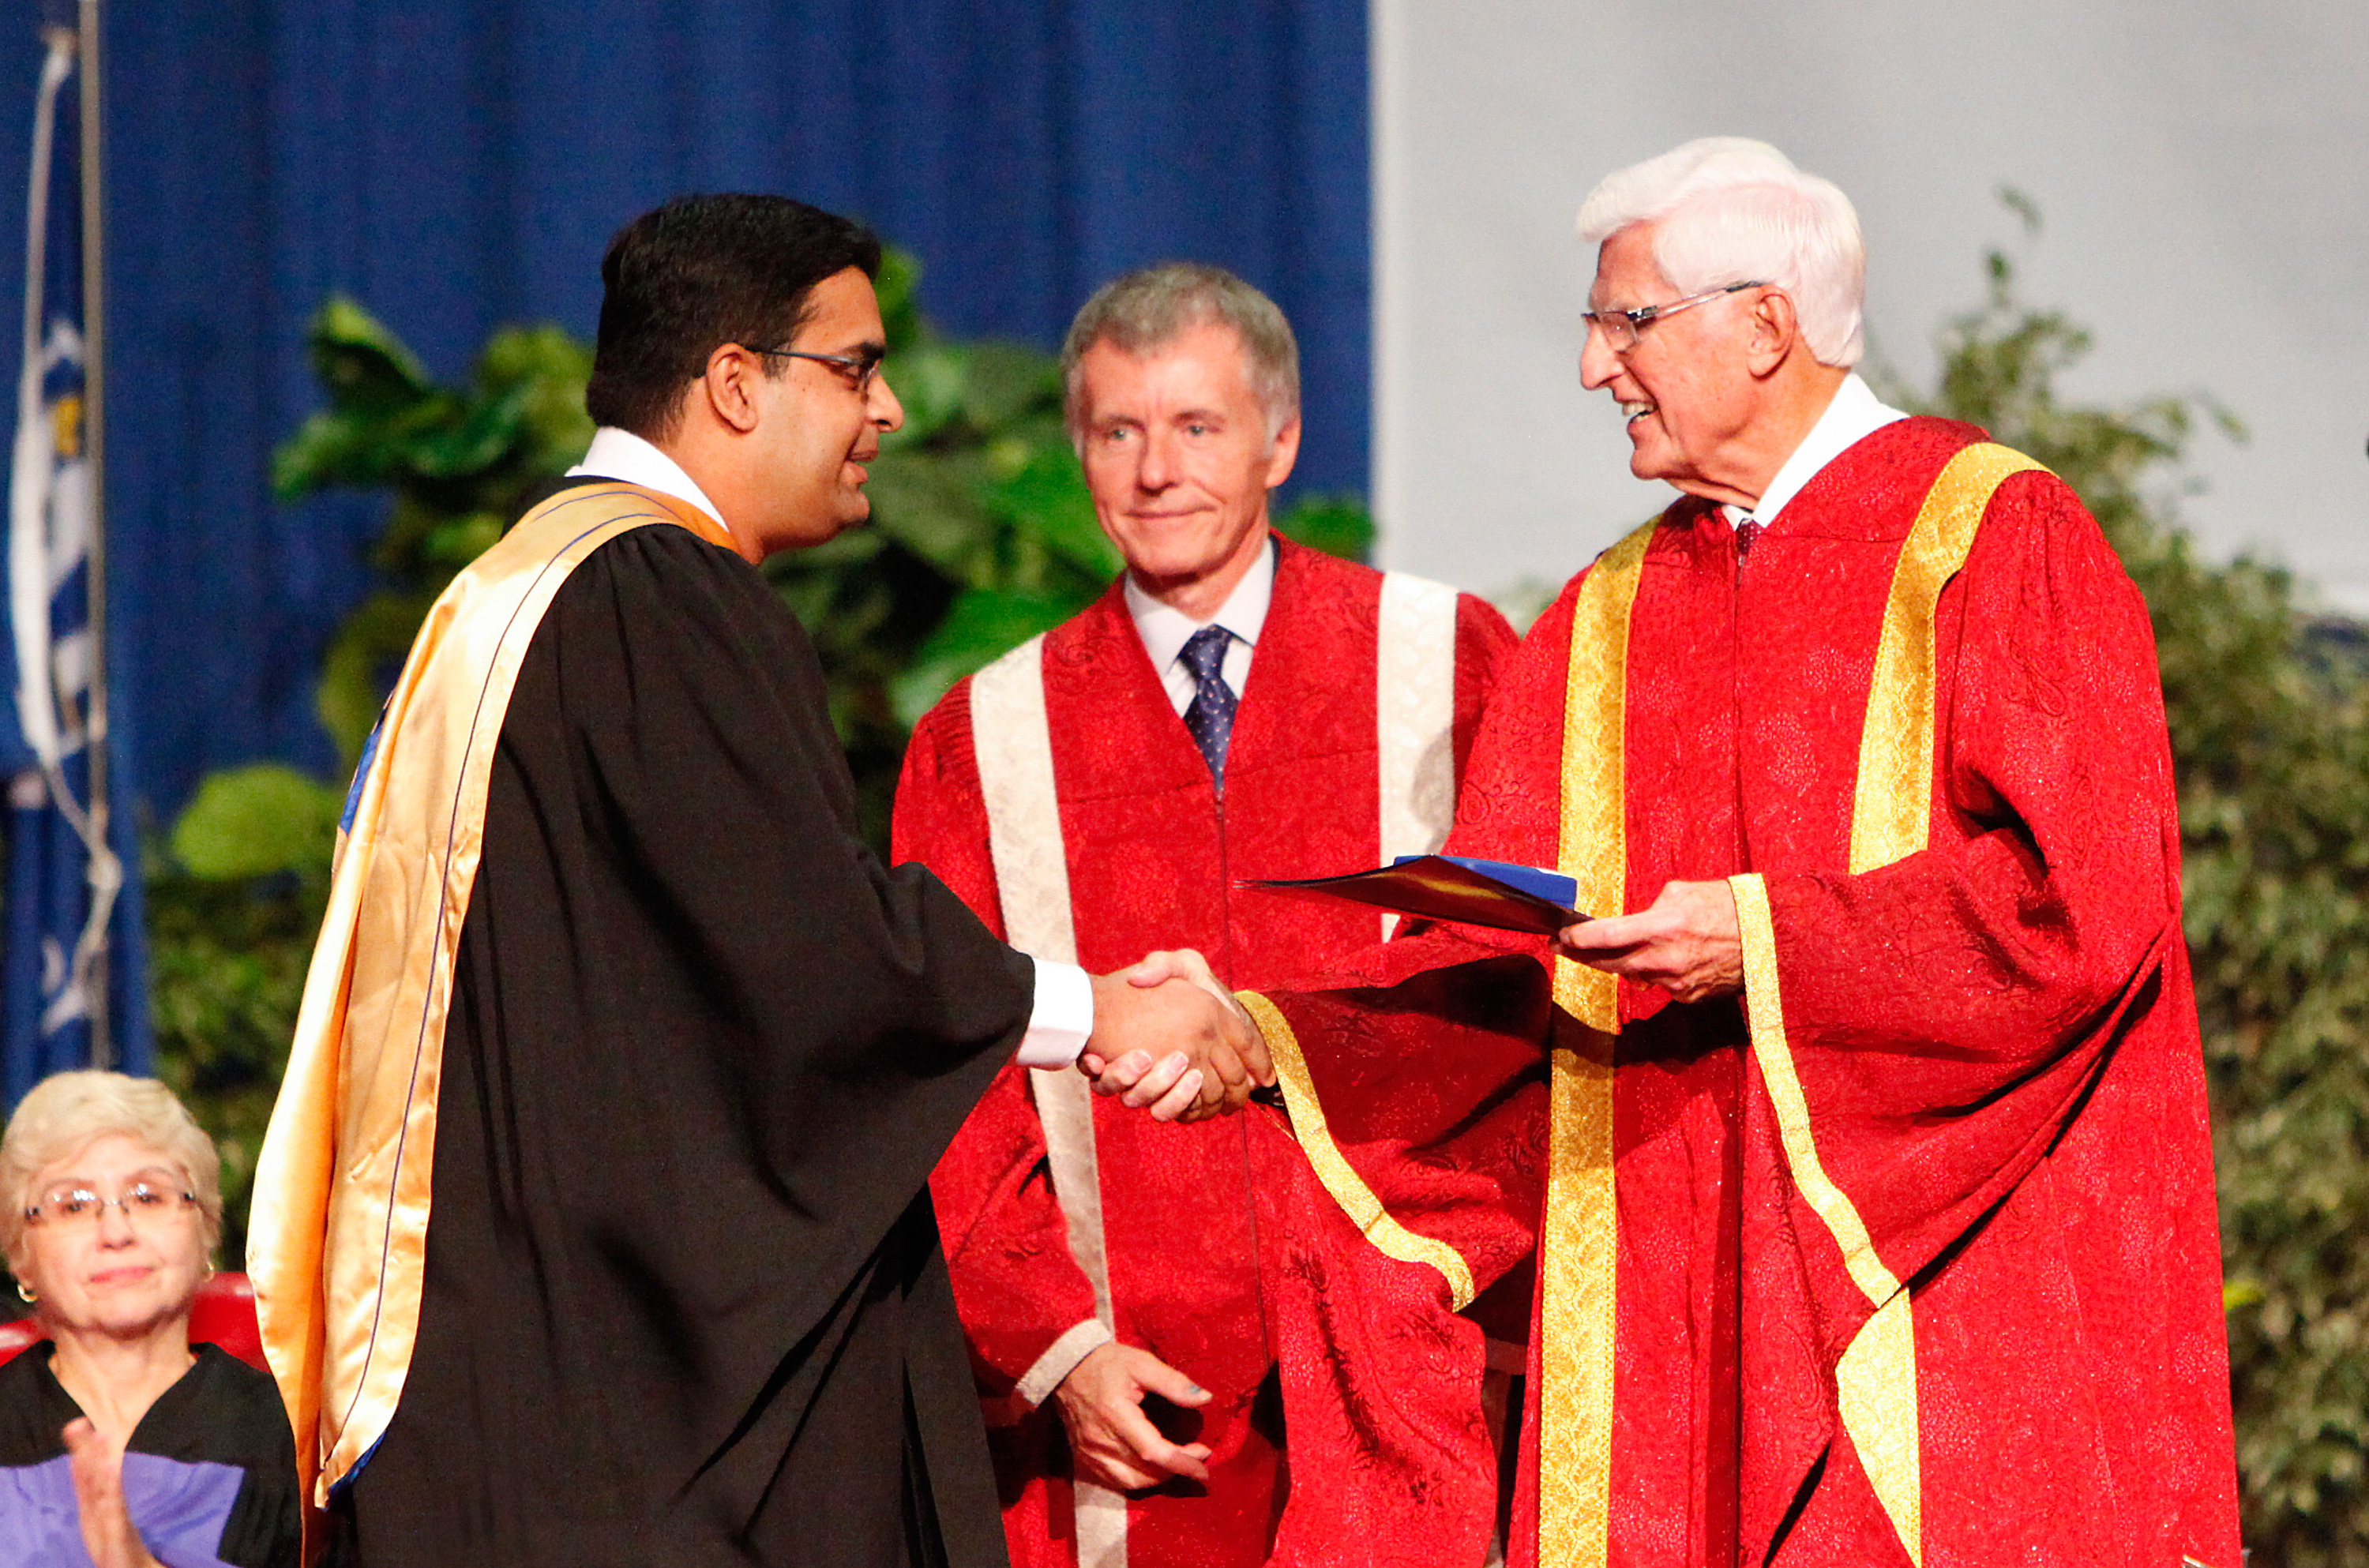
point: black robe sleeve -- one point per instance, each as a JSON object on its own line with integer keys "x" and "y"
{"x": 683, "y": 1300}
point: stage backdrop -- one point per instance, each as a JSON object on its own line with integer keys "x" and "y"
{"x": 460, "y": 165}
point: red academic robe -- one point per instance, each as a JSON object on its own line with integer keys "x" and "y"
{"x": 1908, "y": 1255}
{"x": 1189, "y": 1216}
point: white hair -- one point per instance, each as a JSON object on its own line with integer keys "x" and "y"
{"x": 1726, "y": 208}
{"x": 1143, "y": 312}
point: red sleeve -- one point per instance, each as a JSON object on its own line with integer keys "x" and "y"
{"x": 941, "y": 816}
{"x": 1424, "y": 1054}
{"x": 1007, "y": 1244}
{"x": 1422, "y": 1050}
{"x": 1952, "y": 1008}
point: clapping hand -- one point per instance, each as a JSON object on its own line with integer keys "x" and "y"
{"x": 107, "y": 1530}
{"x": 1169, "y": 1039}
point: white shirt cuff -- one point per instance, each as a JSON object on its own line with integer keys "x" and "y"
{"x": 1062, "y": 1018}
{"x": 1061, "y": 1359}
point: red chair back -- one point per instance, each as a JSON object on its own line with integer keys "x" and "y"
{"x": 222, "y": 1313}
{"x": 17, "y": 1337}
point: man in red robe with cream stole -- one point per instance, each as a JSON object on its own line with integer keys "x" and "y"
{"x": 1866, "y": 1167}
{"x": 1071, "y": 794}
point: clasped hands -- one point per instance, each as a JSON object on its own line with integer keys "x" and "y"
{"x": 1170, "y": 1039}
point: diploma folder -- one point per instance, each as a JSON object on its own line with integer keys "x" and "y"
{"x": 1452, "y": 888}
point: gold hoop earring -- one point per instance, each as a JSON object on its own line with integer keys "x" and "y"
{"x": 25, "y": 1291}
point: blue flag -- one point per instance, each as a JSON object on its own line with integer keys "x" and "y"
{"x": 73, "y": 953}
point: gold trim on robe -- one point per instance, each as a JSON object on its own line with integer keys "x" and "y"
{"x": 1579, "y": 1237}
{"x": 338, "y": 1240}
{"x": 1892, "y": 809}
{"x": 1358, "y": 1201}
{"x": 1891, "y": 817}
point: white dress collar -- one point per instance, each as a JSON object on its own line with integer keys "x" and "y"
{"x": 1165, "y": 631}
{"x": 620, "y": 455}
{"x": 1854, "y": 413}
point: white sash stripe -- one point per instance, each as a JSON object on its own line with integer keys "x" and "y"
{"x": 1415, "y": 717}
{"x": 1414, "y": 691}
{"x": 1014, "y": 744}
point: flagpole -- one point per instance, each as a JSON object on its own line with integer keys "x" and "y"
{"x": 94, "y": 326}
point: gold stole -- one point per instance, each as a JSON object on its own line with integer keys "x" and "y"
{"x": 1579, "y": 1235}
{"x": 1891, "y": 817}
{"x": 337, "y": 1239}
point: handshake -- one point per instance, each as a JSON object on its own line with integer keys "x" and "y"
{"x": 1169, "y": 1039}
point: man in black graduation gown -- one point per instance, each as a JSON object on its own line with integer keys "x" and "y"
{"x": 682, "y": 1300}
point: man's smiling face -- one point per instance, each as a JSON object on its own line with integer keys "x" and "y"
{"x": 1177, "y": 453}
{"x": 820, "y": 429}
{"x": 1685, "y": 386}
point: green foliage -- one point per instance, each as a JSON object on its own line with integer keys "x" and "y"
{"x": 2269, "y": 713}
{"x": 982, "y": 535}
{"x": 1338, "y": 525}
{"x": 256, "y": 822}
{"x": 226, "y": 972}
{"x": 460, "y": 461}
{"x": 233, "y": 909}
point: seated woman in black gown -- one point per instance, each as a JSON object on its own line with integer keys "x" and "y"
{"x": 116, "y": 1439}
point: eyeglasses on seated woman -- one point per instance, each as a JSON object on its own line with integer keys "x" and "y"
{"x": 120, "y": 1443}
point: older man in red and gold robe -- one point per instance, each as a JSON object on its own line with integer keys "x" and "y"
{"x": 1235, "y": 706}
{"x": 1866, "y": 1165}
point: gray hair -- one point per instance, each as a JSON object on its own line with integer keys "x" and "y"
{"x": 1150, "y": 308}
{"x": 1726, "y": 209}
{"x": 68, "y": 1112}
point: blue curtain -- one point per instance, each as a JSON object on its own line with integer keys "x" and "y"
{"x": 460, "y": 164}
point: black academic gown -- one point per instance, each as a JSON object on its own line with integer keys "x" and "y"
{"x": 684, "y": 1300}
{"x": 209, "y": 1473}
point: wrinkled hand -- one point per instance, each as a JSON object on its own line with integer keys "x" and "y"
{"x": 107, "y": 1529}
{"x": 1687, "y": 942}
{"x": 1168, "y": 1038}
{"x": 1115, "y": 1444}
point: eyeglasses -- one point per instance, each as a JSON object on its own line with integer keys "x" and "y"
{"x": 1621, "y": 328}
{"x": 151, "y": 1197}
{"x": 862, "y": 369}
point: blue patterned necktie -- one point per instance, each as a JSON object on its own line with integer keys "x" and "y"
{"x": 1211, "y": 718}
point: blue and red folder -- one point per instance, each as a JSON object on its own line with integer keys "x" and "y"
{"x": 1452, "y": 888}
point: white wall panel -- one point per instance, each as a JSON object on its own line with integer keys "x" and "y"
{"x": 2203, "y": 171}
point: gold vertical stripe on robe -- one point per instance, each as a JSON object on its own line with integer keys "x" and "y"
{"x": 338, "y": 1240}
{"x": 1579, "y": 1238}
{"x": 1891, "y": 817}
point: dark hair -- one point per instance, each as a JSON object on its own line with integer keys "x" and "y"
{"x": 701, "y": 271}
